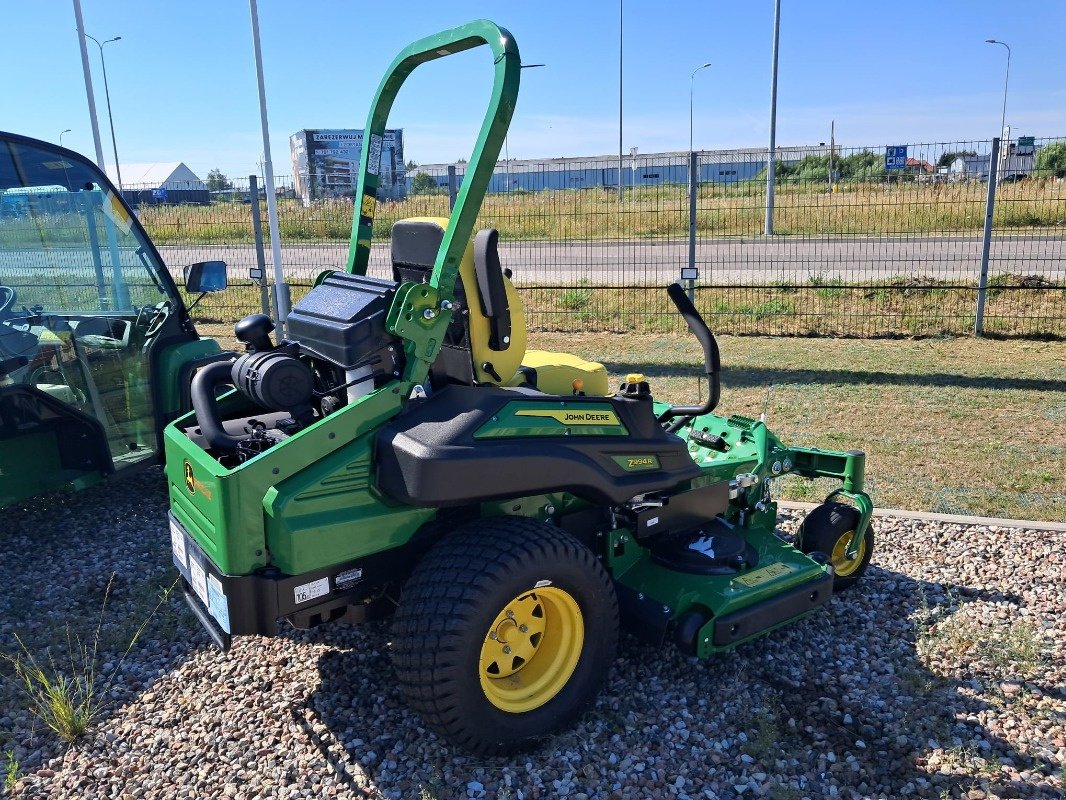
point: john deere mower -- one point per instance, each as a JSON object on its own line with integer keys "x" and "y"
{"x": 402, "y": 453}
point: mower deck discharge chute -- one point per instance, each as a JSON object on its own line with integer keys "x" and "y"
{"x": 403, "y": 454}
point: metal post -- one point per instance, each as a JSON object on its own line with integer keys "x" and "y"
{"x": 260, "y": 255}
{"x": 986, "y": 240}
{"x": 832, "y": 142}
{"x": 281, "y": 288}
{"x": 620, "y": 190}
{"x": 771, "y": 162}
{"x": 88, "y": 85}
{"x": 107, "y": 95}
{"x": 453, "y": 189}
{"x": 693, "y": 179}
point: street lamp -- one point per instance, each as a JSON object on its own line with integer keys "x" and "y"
{"x": 692, "y": 179}
{"x": 61, "y": 136}
{"x": 691, "y": 94}
{"x": 107, "y": 94}
{"x": 1006, "y": 78}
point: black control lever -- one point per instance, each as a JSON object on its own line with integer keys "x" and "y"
{"x": 711, "y": 359}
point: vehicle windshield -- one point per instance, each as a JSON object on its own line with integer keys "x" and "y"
{"x": 66, "y": 242}
{"x": 83, "y": 300}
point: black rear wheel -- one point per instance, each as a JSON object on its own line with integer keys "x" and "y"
{"x": 829, "y": 529}
{"x": 505, "y": 632}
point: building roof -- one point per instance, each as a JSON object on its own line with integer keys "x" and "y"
{"x": 157, "y": 175}
{"x": 923, "y": 165}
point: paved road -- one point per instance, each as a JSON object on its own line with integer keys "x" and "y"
{"x": 720, "y": 261}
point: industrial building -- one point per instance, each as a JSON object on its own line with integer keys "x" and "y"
{"x": 325, "y": 163}
{"x": 160, "y": 183}
{"x": 590, "y": 172}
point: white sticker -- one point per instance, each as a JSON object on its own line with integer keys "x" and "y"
{"x": 199, "y": 579}
{"x": 348, "y": 578}
{"x": 216, "y": 584}
{"x": 177, "y": 544}
{"x": 374, "y": 162}
{"x": 541, "y": 584}
{"x": 653, "y": 521}
{"x": 309, "y": 591}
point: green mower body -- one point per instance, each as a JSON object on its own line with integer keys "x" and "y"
{"x": 402, "y": 453}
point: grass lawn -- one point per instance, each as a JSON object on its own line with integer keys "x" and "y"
{"x": 958, "y": 426}
{"x": 954, "y": 425}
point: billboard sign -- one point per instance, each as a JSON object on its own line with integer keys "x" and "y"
{"x": 325, "y": 163}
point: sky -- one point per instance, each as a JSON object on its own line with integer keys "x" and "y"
{"x": 182, "y": 78}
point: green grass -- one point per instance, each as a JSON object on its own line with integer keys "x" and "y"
{"x": 963, "y": 426}
{"x": 11, "y": 771}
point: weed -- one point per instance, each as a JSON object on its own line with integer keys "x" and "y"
{"x": 67, "y": 697}
{"x": 11, "y": 771}
{"x": 577, "y": 299}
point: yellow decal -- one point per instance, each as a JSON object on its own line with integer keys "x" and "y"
{"x": 369, "y": 202}
{"x": 646, "y": 461}
{"x": 192, "y": 484}
{"x": 763, "y": 575}
{"x": 575, "y": 417}
{"x": 116, "y": 212}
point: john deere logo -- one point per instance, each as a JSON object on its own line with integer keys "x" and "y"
{"x": 190, "y": 481}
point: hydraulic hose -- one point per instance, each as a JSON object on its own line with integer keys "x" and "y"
{"x": 202, "y": 391}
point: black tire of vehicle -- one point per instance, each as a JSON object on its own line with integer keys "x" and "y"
{"x": 827, "y": 529}
{"x": 448, "y": 606}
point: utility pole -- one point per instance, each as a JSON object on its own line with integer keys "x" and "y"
{"x": 281, "y": 288}
{"x": 832, "y": 144}
{"x": 620, "y": 195}
{"x": 771, "y": 162}
{"x": 88, "y": 84}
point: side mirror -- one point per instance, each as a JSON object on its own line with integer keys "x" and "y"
{"x": 206, "y": 276}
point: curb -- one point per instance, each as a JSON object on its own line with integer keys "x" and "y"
{"x": 958, "y": 519}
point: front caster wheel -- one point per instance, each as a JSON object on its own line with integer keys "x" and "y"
{"x": 829, "y": 528}
{"x": 505, "y": 632}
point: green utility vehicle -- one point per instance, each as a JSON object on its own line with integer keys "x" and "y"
{"x": 96, "y": 347}
{"x": 404, "y": 454}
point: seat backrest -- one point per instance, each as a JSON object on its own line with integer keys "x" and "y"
{"x": 491, "y": 327}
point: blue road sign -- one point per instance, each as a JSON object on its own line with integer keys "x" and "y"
{"x": 159, "y": 194}
{"x": 896, "y": 157}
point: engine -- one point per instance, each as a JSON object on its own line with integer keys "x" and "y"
{"x": 338, "y": 350}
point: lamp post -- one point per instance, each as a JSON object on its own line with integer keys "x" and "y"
{"x": 693, "y": 178}
{"x": 61, "y": 136}
{"x": 691, "y": 95}
{"x": 620, "y": 194}
{"x": 107, "y": 94}
{"x": 771, "y": 160}
{"x": 1006, "y": 79}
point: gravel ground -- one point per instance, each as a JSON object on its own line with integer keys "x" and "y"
{"x": 941, "y": 675}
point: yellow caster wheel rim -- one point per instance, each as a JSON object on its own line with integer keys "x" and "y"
{"x": 842, "y": 565}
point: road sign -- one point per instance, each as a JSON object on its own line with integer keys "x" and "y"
{"x": 1026, "y": 146}
{"x": 896, "y": 157}
{"x": 159, "y": 194}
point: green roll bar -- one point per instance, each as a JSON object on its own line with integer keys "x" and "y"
{"x": 508, "y": 68}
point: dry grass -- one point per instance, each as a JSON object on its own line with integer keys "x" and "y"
{"x": 649, "y": 212}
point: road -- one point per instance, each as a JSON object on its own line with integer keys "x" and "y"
{"x": 781, "y": 259}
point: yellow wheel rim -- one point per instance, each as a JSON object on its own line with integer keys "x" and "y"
{"x": 843, "y": 565}
{"x": 531, "y": 649}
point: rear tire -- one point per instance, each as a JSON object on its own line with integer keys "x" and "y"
{"x": 828, "y": 529}
{"x": 505, "y": 632}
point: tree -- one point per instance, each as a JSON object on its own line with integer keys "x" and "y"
{"x": 216, "y": 181}
{"x": 423, "y": 183}
{"x": 946, "y": 158}
{"x": 1051, "y": 160}
{"x": 410, "y": 165}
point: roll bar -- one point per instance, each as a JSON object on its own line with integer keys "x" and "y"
{"x": 508, "y": 68}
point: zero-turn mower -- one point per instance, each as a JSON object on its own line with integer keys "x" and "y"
{"x": 402, "y": 453}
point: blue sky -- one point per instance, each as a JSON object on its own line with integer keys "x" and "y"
{"x": 183, "y": 82}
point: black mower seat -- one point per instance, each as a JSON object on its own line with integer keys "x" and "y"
{"x": 486, "y": 343}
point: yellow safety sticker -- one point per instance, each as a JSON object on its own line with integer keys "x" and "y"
{"x": 116, "y": 212}
{"x": 763, "y": 574}
{"x": 597, "y": 417}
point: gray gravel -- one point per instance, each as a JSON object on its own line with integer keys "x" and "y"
{"x": 941, "y": 675}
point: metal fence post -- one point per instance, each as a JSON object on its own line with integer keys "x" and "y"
{"x": 693, "y": 180}
{"x": 452, "y": 191}
{"x": 986, "y": 241}
{"x": 260, "y": 255}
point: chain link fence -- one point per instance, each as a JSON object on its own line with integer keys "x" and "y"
{"x": 856, "y": 250}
